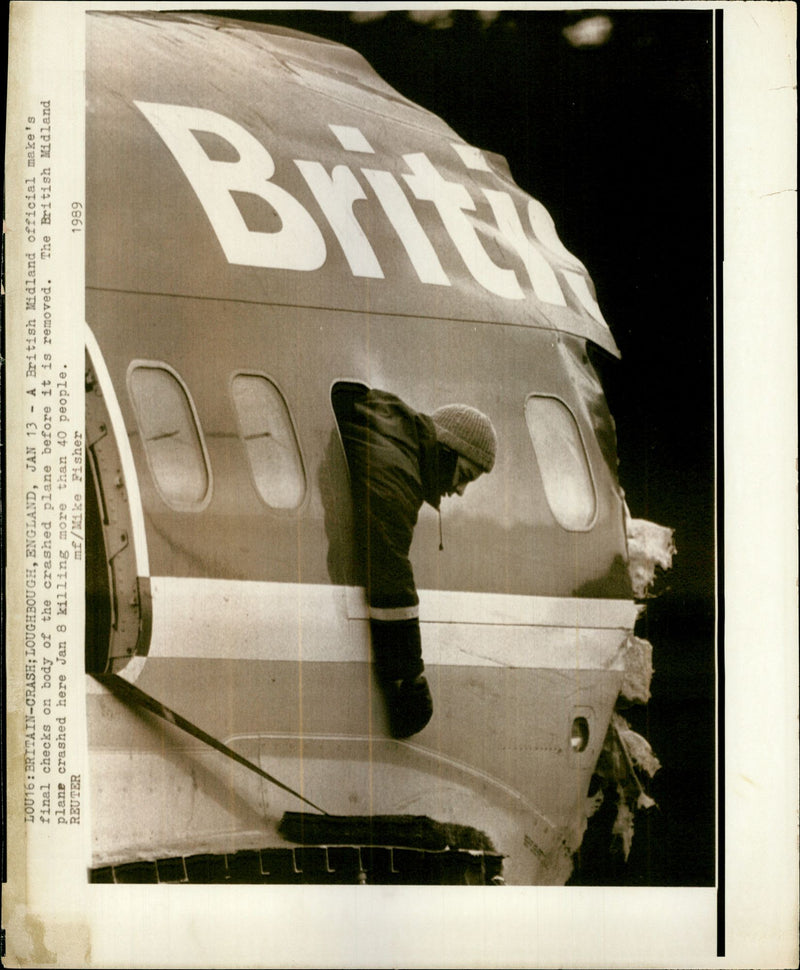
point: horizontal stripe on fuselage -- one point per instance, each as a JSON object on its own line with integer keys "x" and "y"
{"x": 208, "y": 618}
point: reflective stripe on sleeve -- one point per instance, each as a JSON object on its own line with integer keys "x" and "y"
{"x": 394, "y": 612}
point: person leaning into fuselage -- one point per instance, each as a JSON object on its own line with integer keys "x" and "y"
{"x": 400, "y": 458}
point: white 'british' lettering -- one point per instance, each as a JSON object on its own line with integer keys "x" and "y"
{"x": 540, "y": 272}
{"x": 336, "y": 194}
{"x": 451, "y": 200}
{"x": 411, "y": 234}
{"x": 300, "y": 245}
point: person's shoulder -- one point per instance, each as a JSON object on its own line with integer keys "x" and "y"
{"x": 376, "y": 396}
{"x": 386, "y": 403}
{"x": 390, "y": 414}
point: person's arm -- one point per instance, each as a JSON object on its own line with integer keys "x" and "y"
{"x": 391, "y": 592}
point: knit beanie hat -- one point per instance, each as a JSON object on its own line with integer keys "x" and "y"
{"x": 468, "y": 432}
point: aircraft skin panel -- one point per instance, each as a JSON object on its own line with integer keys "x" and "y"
{"x": 318, "y": 227}
{"x": 328, "y": 741}
{"x": 206, "y": 817}
{"x": 505, "y": 515}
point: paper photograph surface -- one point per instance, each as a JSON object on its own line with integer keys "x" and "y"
{"x": 544, "y": 253}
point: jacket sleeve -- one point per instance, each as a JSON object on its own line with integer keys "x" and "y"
{"x": 387, "y": 493}
{"x": 397, "y": 649}
{"x": 381, "y": 450}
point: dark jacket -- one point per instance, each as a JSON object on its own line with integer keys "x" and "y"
{"x": 396, "y": 464}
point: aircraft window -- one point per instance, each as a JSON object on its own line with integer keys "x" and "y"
{"x": 562, "y": 461}
{"x": 171, "y": 438}
{"x": 269, "y": 437}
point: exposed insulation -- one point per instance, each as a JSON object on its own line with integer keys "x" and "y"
{"x": 650, "y": 546}
{"x": 638, "y": 658}
{"x": 623, "y": 824}
{"x": 628, "y": 753}
{"x": 625, "y": 753}
{"x": 637, "y": 749}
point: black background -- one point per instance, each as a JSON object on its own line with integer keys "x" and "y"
{"x": 617, "y": 142}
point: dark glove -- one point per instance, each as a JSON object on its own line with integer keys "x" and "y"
{"x": 410, "y": 706}
{"x": 397, "y": 650}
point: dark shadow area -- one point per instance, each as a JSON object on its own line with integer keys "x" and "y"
{"x": 673, "y": 843}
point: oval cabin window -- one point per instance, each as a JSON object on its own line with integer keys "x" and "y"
{"x": 269, "y": 437}
{"x": 171, "y": 437}
{"x": 562, "y": 462}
